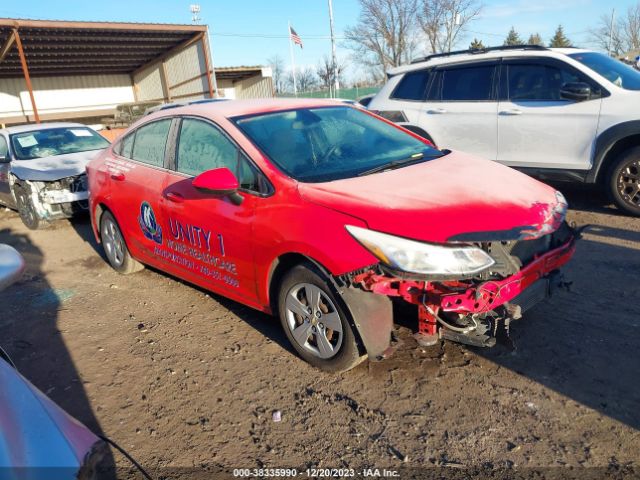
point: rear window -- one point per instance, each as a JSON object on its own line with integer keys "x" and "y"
{"x": 150, "y": 142}
{"x": 412, "y": 86}
{"x": 467, "y": 84}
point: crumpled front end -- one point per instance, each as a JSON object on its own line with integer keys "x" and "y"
{"x": 59, "y": 198}
{"x": 478, "y": 310}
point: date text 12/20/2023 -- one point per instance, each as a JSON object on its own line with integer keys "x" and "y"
{"x": 315, "y": 472}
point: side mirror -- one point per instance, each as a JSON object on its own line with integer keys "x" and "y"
{"x": 11, "y": 266}
{"x": 219, "y": 181}
{"x": 4, "y": 159}
{"x": 577, "y": 91}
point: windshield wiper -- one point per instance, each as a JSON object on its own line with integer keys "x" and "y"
{"x": 394, "y": 164}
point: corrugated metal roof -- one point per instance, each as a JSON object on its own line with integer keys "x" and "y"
{"x": 82, "y": 48}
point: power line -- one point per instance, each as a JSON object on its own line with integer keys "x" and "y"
{"x": 267, "y": 35}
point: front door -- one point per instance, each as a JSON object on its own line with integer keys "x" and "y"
{"x": 536, "y": 126}
{"x": 211, "y": 237}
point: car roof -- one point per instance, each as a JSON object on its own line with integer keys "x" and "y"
{"x": 238, "y": 108}
{"x": 497, "y": 52}
{"x": 32, "y": 127}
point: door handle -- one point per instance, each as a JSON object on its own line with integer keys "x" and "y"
{"x": 174, "y": 197}
{"x": 437, "y": 111}
{"x": 118, "y": 177}
{"x": 513, "y": 111}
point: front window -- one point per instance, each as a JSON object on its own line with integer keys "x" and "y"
{"x": 613, "y": 70}
{"x": 56, "y": 141}
{"x": 537, "y": 82}
{"x": 331, "y": 143}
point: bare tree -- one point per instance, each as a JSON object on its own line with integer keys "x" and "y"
{"x": 603, "y": 36}
{"x": 384, "y": 36}
{"x": 625, "y": 34}
{"x": 327, "y": 74}
{"x": 444, "y": 21}
{"x": 306, "y": 79}
{"x": 277, "y": 70}
{"x": 630, "y": 28}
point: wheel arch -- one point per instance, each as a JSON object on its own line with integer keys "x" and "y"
{"x": 278, "y": 269}
{"x": 371, "y": 315}
{"x": 609, "y": 145}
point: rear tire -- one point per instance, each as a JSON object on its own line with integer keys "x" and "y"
{"x": 321, "y": 335}
{"x": 623, "y": 181}
{"x": 115, "y": 247}
{"x": 26, "y": 209}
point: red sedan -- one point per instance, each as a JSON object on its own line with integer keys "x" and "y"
{"x": 321, "y": 213}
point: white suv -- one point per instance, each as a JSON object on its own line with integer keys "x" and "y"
{"x": 556, "y": 113}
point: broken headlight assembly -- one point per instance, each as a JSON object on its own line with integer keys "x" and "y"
{"x": 411, "y": 256}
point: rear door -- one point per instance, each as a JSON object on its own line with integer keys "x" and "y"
{"x": 461, "y": 108}
{"x": 5, "y": 190}
{"x": 137, "y": 177}
{"x": 536, "y": 126}
{"x": 211, "y": 237}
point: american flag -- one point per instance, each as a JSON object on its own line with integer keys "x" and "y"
{"x": 295, "y": 37}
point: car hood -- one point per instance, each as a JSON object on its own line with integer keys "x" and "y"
{"x": 34, "y": 431}
{"x": 50, "y": 169}
{"x": 453, "y": 198}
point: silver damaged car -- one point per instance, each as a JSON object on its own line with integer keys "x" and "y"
{"x": 42, "y": 170}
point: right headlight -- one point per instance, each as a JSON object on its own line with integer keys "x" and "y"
{"x": 422, "y": 258}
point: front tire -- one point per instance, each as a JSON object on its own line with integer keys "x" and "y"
{"x": 26, "y": 209}
{"x": 316, "y": 322}
{"x": 115, "y": 247}
{"x": 624, "y": 181}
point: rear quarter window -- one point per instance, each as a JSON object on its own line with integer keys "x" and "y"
{"x": 412, "y": 86}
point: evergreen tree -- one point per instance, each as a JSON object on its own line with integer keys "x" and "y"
{"x": 559, "y": 39}
{"x": 535, "y": 39}
{"x": 513, "y": 38}
{"x": 476, "y": 45}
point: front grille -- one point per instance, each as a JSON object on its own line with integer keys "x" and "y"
{"x": 511, "y": 256}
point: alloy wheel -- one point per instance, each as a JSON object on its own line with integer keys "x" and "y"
{"x": 313, "y": 320}
{"x": 113, "y": 242}
{"x": 629, "y": 183}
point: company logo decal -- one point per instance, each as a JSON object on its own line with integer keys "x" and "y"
{"x": 148, "y": 223}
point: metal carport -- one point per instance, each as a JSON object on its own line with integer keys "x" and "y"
{"x": 40, "y": 48}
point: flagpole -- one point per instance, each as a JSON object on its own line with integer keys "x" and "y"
{"x": 293, "y": 64}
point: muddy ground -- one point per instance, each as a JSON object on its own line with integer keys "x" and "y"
{"x": 182, "y": 378}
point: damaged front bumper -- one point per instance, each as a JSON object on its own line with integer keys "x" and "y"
{"x": 61, "y": 198}
{"x": 471, "y": 311}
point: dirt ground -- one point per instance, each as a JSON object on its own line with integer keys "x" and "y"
{"x": 184, "y": 379}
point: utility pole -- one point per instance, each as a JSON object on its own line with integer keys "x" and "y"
{"x": 208, "y": 52}
{"x": 613, "y": 14}
{"x": 333, "y": 51}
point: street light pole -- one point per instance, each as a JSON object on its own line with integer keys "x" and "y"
{"x": 333, "y": 50}
{"x": 613, "y": 13}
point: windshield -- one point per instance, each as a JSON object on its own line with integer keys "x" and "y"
{"x": 55, "y": 141}
{"x": 330, "y": 143}
{"x": 613, "y": 70}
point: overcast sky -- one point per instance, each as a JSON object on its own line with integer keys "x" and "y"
{"x": 247, "y": 32}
